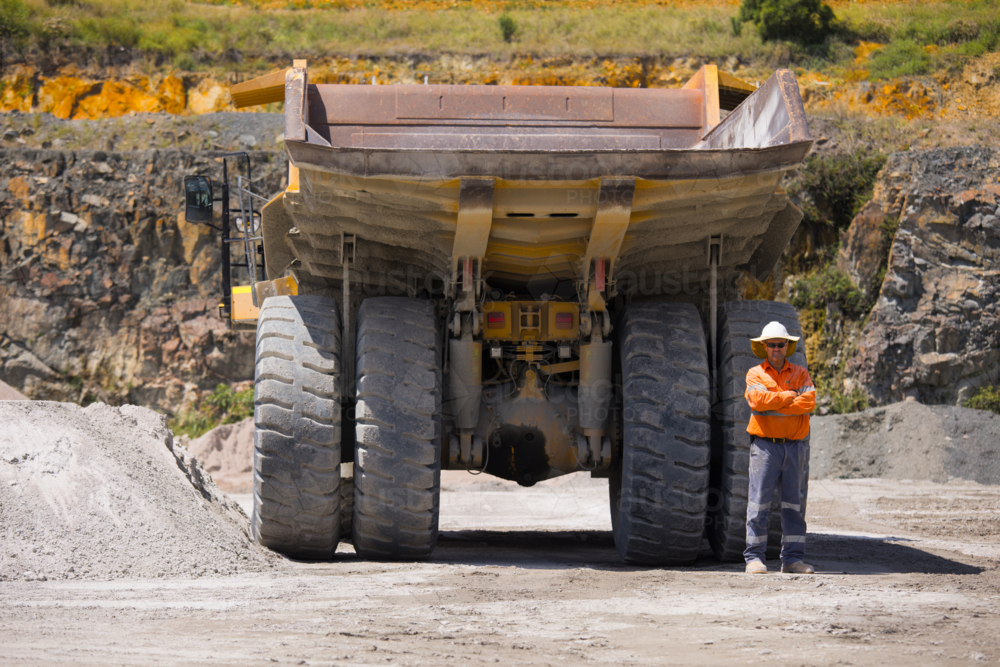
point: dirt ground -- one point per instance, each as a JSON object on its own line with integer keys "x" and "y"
{"x": 908, "y": 574}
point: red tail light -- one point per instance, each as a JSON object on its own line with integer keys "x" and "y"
{"x": 494, "y": 320}
{"x": 564, "y": 320}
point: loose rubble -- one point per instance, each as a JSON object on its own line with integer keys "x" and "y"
{"x": 103, "y": 493}
{"x": 907, "y": 440}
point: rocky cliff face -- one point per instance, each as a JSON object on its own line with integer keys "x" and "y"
{"x": 107, "y": 293}
{"x": 934, "y": 333}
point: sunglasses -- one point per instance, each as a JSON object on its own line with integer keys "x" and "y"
{"x": 775, "y": 345}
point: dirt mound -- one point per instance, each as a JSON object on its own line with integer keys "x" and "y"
{"x": 8, "y": 393}
{"x": 907, "y": 440}
{"x": 226, "y": 453}
{"x": 102, "y": 493}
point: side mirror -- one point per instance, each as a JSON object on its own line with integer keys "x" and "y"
{"x": 199, "y": 199}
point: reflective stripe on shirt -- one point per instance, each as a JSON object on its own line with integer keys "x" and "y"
{"x": 771, "y": 413}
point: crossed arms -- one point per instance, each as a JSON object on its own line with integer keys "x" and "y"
{"x": 795, "y": 402}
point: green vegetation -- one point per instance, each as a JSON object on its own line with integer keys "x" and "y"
{"x": 253, "y": 36}
{"x": 14, "y": 27}
{"x": 14, "y": 23}
{"x": 508, "y": 27}
{"x": 830, "y": 391}
{"x": 923, "y": 53}
{"x": 834, "y": 188}
{"x": 222, "y": 406}
{"x": 842, "y": 402}
{"x": 900, "y": 58}
{"x": 985, "y": 398}
{"x": 923, "y": 37}
{"x": 803, "y": 21}
{"x": 830, "y": 285}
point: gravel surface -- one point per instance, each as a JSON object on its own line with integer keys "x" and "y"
{"x": 908, "y": 441}
{"x": 907, "y": 572}
{"x": 101, "y": 493}
{"x": 228, "y": 130}
{"x": 510, "y": 587}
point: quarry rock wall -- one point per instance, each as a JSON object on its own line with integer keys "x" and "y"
{"x": 107, "y": 293}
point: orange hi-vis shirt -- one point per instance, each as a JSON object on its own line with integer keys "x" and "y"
{"x": 780, "y": 402}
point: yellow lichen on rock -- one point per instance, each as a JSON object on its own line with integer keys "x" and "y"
{"x": 59, "y": 95}
{"x": 118, "y": 98}
{"x": 910, "y": 98}
{"x": 33, "y": 225}
{"x": 172, "y": 95}
{"x": 17, "y": 90}
{"x": 193, "y": 236}
{"x": 72, "y": 93}
{"x": 18, "y": 186}
{"x": 208, "y": 97}
{"x": 864, "y": 50}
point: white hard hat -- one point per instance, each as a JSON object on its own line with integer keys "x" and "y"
{"x": 771, "y": 331}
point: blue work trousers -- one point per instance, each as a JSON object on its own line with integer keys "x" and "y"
{"x": 769, "y": 463}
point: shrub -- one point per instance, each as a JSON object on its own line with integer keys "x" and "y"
{"x": 843, "y": 402}
{"x": 985, "y": 398}
{"x": 803, "y": 21}
{"x": 508, "y": 27}
{"x": 834, "y": 188}
{"x": 222, "y": 406}
{"x": 112, "y": 31}
{"x": 871, "y": 29}
{"x": 829, "y": 285}
{"x": 234, "y": 406}
{"x": 830, "y": 393}
{"x": 903, "y": 57}
{"x": 14, "y": 23}
{"x": 737, "y": 26}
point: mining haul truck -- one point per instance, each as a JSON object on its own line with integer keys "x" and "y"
{"x": 525, "y": 281}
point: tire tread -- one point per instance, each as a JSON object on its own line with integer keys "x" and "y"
{"x": 296, "y": 509}
{"x": 659, "y": 495}
{"x": 397, "y": 463}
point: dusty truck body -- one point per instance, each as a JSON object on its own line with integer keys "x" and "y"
{"x": 526, "y": 281}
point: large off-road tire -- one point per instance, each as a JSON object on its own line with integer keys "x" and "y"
{"x": 738, "y": 322}
{"x": 397, "y": 460}
{"x": 659, "y": 490}
{"x": 296, "y": 508}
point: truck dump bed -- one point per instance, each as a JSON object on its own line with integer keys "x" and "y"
{"x": 668, "y": 167}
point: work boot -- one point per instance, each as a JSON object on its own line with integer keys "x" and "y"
{"x": 798, "y": 567}
{"x": 756, "y": 567}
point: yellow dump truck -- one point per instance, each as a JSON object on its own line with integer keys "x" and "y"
{"x": 527, "y": 281}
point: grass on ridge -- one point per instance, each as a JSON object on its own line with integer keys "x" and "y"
{"x": 254, "y": 35}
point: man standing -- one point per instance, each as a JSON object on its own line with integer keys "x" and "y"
{"x": 781, "y": 396}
